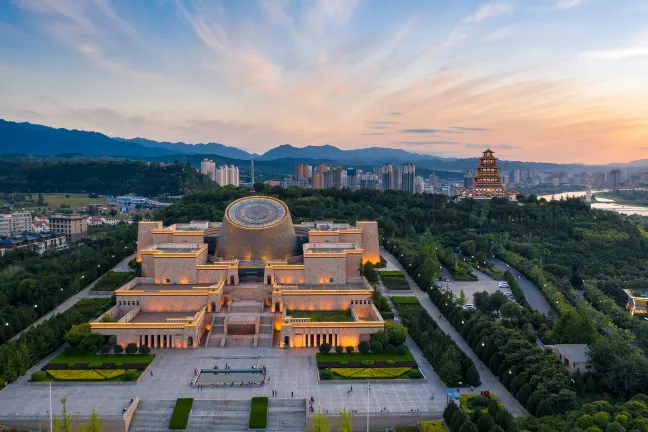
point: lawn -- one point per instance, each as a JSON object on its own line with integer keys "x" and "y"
{"x": 259, "y": 413}
{"x": 65, "y": 358}
{"x": 113, "y": 280}
{"x": 405, "y": 300}
{"x": 90, "y": 307}
{"x": 433, "y": 426}
{"x": 77, "y": 200}
{"x": 323, "y": 316}
{"x": 394, "y": 280}
{"x": 467, "y": 406}
{"x": 373, "y": 373}
{"x": 181, "y": 411}
{"x": 358, "y": 357}
{"x": 94, "y": 375}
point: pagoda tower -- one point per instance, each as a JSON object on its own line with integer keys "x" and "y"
{"x": 488, "y": 182}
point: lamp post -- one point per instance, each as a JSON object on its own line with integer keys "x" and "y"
{"x": 50, "y": 410}
{"x": 368, "y": 391}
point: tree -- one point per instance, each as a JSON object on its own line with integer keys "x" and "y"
{"x": 118, "y": 349}
{"x": 469, "y": 427}
{"x": 574, "y": 326}
{"x": 131, "y": 348}
{"x": 349, "y": 349}
{"x": 396, "y": 333}
{"x": 472, "y": 376}
{"x": 41, "y": 200}
{"x": 320, "y": 423}
{"x": 95, "y": 423}
{"x": 376, "y": 348}
{"x": 345, "y": 421}
{"x": 461, "y": 300}
{"x": 482, "y": 301}
{"x": 339, "y": 349}
{"x": 449, "y": 369}
{"x": 364, "y": 347}
{"x": 496, "y": 300}
{"x": 144, "y": 349}
{"x": 468, "y": 247}
{"x": 63, "y": 422}
{"x": 325, "y": 348}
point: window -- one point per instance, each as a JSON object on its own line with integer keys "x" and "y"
{"x": 588, "y": 367}
{"x": 137, "y": 302}
{"x": 167, "y": 280}
{"x": 331, "y": 280}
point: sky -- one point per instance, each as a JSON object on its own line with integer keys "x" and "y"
{"x": 535, "y": 80}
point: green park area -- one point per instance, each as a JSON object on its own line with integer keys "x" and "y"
{"x": 73, "y": 200}
{"x": 113, "y": 280}
{"x": 66, "y": 358}
{"x": 323, "y": 316}
{"x": 394, "y": 280}
{"x": 402, "y": 354}
{"x": 181, "y": 411}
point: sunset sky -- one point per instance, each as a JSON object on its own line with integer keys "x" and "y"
{"x": 536, "y": 80}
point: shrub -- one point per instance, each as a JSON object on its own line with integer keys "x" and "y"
{"x": 180, "y": 415}
{"x": 119, "y": 364}
{"x": 376, "y": 348}
{"x": 478, "y": 402}
{"x": 363, "y": 347}
{"x": 71, "y": 365}
{"x": 95, "y": 365}
{"x": 39, "y": 376}
{"x": 415, "y": 374}
{"x": 344, "y": 363}
{"x": 339, "y": 349}
{"x": 388, "y": 315}
{"x": 144, "y": 349}
{"x": 259, "y": 413}
{"x": 400, "y": 350}
{"x": 349, "y": 349}
{"x": 131, "y": 375}
{"x": 390, "y": 349}
{"x": 131, "y": 348}
{"x": 118, "y": 349}
{"x": 325, "y": 374}
{"x": 390, "y": 362}
{"x": 325, "y": 348}
{"x": 367, "y": 362}
{"x": 105, "y": 349}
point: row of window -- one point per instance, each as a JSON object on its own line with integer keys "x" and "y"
{"x": 128, "y": 303}
{"x": 359, "y": 302}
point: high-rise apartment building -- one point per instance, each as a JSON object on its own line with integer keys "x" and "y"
{"x": 409, "y": 173}
{"x": 15, "y": 223}
{"x": 352, "y": 178}
{"x": 333, "y": 177}
{"x": 614, "y": 178}
{"x": 398, "y": 178}
{"x": 302, "y": 171}
{"x": 208, "y": 168}
{"x": 517, "y": 176}
{"x": 227, "y": 175}
{"x": 598, "y": 179}
{"x": 387, "y": 177}
{"x": 419, "y": 184}
{"x": 434, "y": 180}
{"x": 74, "y": 226}
{"x": 318, "y": 176}
{"x": 369, "y": 181}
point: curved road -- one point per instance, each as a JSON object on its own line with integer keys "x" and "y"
{"x": 489, "y": 381}
{"x": 534, "y": 296}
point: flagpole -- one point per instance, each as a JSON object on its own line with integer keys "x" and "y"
{"x": 368, "y": 390}
{"x": 50, "y": 397}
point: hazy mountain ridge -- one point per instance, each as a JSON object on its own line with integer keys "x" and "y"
{"x": 28, "y": 138}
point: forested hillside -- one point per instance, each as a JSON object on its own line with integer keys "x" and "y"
{"x": 105, "y": 178}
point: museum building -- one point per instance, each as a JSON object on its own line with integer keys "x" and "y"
{"x": 235, "y": 283}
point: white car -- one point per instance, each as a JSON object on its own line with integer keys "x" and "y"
{"x": 503, "y": 284}
{"x": 468, "y": 306}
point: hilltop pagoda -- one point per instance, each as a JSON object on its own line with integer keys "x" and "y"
{"x": 487, "y": 183}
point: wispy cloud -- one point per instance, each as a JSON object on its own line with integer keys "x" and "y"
{"x": 489, "y": 10}
{"x": 383, "y": 122}
{"x": 373, "y": 133}
{"x": 421, "y": 131}
{"x": 615, "y": 54}
{"x": 464, "y": 128}
{"x": 395, "y": 113}
{"x": 501, "y": 33}
{"x": 568, "y": 4}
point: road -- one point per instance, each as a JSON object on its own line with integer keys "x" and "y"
{"x": 489, "y": 381}
{"x": 534, "y": 296}
{"x": 67, "y": 304}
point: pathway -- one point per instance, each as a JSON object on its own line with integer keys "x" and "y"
{"x": 489, "y": 381}
{"x": 534, "y": 296}
{"x": 67, "y": 304}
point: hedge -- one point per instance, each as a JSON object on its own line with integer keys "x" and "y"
{"x": 515, "y": 289}
{"x": 181, "y": 411}
{"x": 259, "y": 413}
{"x": 39, "y": 376}
{"x": 405, "y": 300}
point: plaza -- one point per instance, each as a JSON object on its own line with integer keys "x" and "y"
{"x": 291, "y": 372}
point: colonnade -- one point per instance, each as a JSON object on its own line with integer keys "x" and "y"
{"x": 317, "y": 339}
{"x": 159, "y": 341}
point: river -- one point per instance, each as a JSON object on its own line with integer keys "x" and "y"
{"x": 602, "y": 203}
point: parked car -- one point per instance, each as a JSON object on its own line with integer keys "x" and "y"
{"x": 468, "y": 306}
{"x": 503, "y": 284}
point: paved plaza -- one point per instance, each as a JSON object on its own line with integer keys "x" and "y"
{"x": 293, "y": 373}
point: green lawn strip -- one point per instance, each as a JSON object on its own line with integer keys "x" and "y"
{"x": 65, "y": 358}
{"x": 113, "y": 280}
{"x": 394, "y": 280}
{"x": 358, "y": 357}
{"x": 181, "y": 412}
{"x": 405, "y": 300}
{"x": 323, "y": 316}
{"x": 259, "y": 413}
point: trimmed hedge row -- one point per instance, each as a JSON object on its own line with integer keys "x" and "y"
{"x": 516, "y": 290}
{"x": 259, "y": 413}
{"x": 181, "y": 411}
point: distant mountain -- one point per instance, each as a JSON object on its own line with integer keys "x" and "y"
{"x": 374, "y": 154}
{"x": 47, "y": 141}
{"x": 180, "y": 147}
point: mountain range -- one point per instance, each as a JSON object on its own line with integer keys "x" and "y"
{"x": 32, "y": 139}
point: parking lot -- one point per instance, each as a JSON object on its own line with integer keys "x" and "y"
{"x": 470, "y": 288}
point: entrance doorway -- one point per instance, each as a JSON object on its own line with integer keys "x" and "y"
{"x": 190, "y": 342}
{"x": 286, "y": 341}
{"x": 277, "y": 308}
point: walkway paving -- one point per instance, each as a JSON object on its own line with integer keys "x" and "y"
{"x": 533, "y": 294}
{"x": 489, "y": 381}
{"x": 67, "y": 304}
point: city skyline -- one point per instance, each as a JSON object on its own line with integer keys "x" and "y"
{"x": 551, "y": 80}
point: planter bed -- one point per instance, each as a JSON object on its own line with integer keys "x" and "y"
{"x": 371, "y": 373}
{"x": 258, "y": 413}
{"x": 65, "y": 358}
{"x": 378, "y": 364}
{"x": 358, "y": 357}
{"x": 82, "y": 366}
